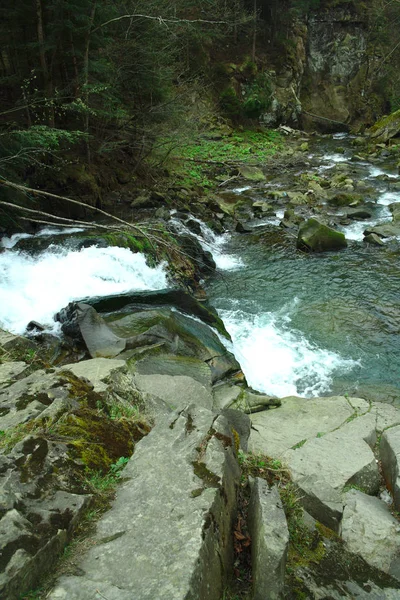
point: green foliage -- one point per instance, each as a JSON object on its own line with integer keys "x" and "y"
{"x": 189, "y": 158}
{"x": 101, "y": 483}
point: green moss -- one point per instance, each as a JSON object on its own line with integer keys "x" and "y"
{"x": 96, "y": 440}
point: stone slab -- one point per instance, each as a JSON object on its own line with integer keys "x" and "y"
{"x": 390, "y": 457}
{"x": 168, "y": 534}
{"x": 322, "y": 468}
{"x": 275, "y": 432}
{"x": 95, "y": 370}
{"x": 372, "y": 532}
{"x": 270, "y": 541}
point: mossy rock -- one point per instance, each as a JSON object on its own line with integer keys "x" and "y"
{"x": 317, "y": 237}
{"x": 387, "y": 127}
{"x": 345, "y": 199}
{"x": 98, "y": 441}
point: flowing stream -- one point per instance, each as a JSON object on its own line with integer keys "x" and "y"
{"x": 300, "y": 324}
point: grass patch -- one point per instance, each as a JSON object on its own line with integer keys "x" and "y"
{"x": 197, "y": 162}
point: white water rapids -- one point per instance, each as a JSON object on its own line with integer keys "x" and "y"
{"x": 36, "y": 287}
{"x": 275, "y": 360}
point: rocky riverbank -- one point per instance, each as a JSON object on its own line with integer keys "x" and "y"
{"x": 220, "y": 491}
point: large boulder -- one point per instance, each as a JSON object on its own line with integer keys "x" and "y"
{"x": 173, "y": 298}
{"x": 317, "y": 237}
{"x": 387, "y": 127}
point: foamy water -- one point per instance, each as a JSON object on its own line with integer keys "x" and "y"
{"x": 278, "y": 361}
{"x": 213, "y": 243}
{"x": 36, "y": 287}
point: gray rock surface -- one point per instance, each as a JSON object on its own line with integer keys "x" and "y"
{"x": 322, "y": 468}
{"x": 167, "y": 537}
{"x": 372, "y": 532}
{"x": 274, "y": 432}
{"x": 96, "y": 370}
{"x": 270, "y": 541}
{"x": 390, "y": 456}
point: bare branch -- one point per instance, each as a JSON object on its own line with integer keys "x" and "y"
{"x": 161, "y": 21}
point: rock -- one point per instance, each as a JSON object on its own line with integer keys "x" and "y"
{"x": 82, "y": 322}
{"x": 358, "y": 213}
{"x": 374, "y": 239}
{"x": 10, "y": 371}
{"x": 317, "y": 190}
{"x": 15, "y": 344}
{"x": 250, "y": 401}
{"x": 387, "y": 127}
{"x": 324, "y": 466}
{"x": 390, "y": 456}
{"x": 225, "y": 395}
{"x": 297, "y": 198}
{"x": 317, "y": 237}
{"x": 173, "y": 298}
{"x": 40, "y": 393}
{"x": 275, "y": 432}
{"x": 262, "y": 208}
{"x": 97, "y": 371}
{"x": 168, "y": 534}
{"x": 270, "y": 541}
{"x": 345, "y": 199}
{"x": 291, "y": 219}
{"x": 203, "y": 259}
{"x": 179, "y": 335}
{"x": 242, "y": 228}
{"x": 369, "y": 530}
{"x": 384, "y": 230}
{"x": 251, "y": 173}
{"x": 240, "y": 425}
{"x": 395, "y": 210}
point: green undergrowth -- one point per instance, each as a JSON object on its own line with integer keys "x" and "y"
{"x": 199, "y": 161}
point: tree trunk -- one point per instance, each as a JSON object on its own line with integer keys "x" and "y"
{"x": 48, "y": 86}
{"x": 254, "y": 32}
{"x": 86, "y": 78}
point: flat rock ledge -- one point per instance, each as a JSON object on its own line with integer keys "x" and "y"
{"x": 333, "y": 448}
{"x": 168, "y": 534}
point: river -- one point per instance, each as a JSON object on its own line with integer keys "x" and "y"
{"x": 301, "y": 324}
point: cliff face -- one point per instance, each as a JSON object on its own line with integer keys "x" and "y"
{"x": 327, "y": 80}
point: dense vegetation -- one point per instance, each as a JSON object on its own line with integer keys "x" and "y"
{"x": 100, "y": 82}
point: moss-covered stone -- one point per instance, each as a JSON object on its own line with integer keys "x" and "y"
{"x": 317, "y": 237}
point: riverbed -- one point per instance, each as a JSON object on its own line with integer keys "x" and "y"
{"x": 301, "y": 324}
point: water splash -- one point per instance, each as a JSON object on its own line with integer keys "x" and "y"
{"x": 36, "y": 287}
{"x": 279, "y": 361}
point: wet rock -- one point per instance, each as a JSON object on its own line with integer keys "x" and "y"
{"x": 317, "y": 237}
{"x": 390, "y": 457}
{"x": 395, "y": 210}
{"x": 262, "y": 209}
{"x": 143, "y": 554}
{"x": 250, "y": 401}
{"x": 372, "y": 532}
{"x": 173, "y": 298}
{"x": 242, "y": 228}
{"x": 384, "y": 230}
{"x": 374, "y": 239}
{"x": 269, "y": 541}
{"x": 82, "y": 322}
{"x": 345, "y": 199}
{"x": 358, "y": 213}
{"x": 251, "y": 173}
